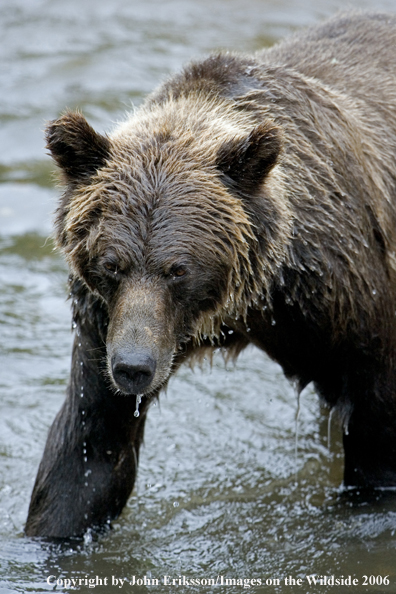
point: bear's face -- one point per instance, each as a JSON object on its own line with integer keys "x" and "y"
{"x": 153, "y": 230}
{"x": 144, "y": 255}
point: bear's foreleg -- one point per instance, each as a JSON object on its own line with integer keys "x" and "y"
{"x": 90, "y": 460}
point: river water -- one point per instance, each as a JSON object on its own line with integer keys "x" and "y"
{"x": 230, "y": 486}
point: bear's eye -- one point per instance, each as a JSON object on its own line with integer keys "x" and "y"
{"x": 178, "y": 272}
{"x": 111, "y": 267}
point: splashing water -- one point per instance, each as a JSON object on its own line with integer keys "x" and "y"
{"x": 298, "y": 394}
{"x": 88, "y": 535}
{"x": 138, "y": 401}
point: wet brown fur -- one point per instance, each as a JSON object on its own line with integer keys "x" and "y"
{"x": 250, "y": 200}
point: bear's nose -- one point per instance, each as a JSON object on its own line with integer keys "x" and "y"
{"x": 133, "y": 372}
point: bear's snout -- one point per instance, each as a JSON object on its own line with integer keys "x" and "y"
{"x": 133, "y": 372}
{"x": 140, "y": 340}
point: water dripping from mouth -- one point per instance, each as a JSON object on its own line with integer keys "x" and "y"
{"x": 138, "y": 401}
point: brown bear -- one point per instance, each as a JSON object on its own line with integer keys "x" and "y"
{"x": 249, "y": 200}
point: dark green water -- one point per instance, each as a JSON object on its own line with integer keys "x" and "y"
{"x": 221, "y": 493}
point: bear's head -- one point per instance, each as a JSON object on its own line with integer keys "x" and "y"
{"x": 173, "y": 223}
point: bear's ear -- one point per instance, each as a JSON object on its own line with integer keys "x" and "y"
{"x": 76, "y": 147}
{"x": 244, "y": 163}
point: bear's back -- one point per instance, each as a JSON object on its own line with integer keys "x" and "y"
{"x": 354, "y": 53}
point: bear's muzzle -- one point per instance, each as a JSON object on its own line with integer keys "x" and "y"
{"x": 133, "y": 372}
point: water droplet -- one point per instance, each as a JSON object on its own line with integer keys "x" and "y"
{"x": 74, "y": 325}
{"x": 85, "y": 459}
{"x": 273, "y": 322}
{"x": 175, "y": 504}
{"x": 230, "y": 331}
{"x": 329, "y": 428}
{"x": 374, "y": 292}
{"x": 88, "y": 472}
{"x": 138, "y": 401}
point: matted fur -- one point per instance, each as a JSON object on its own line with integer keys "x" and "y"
{"x": 174, "y": 148}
